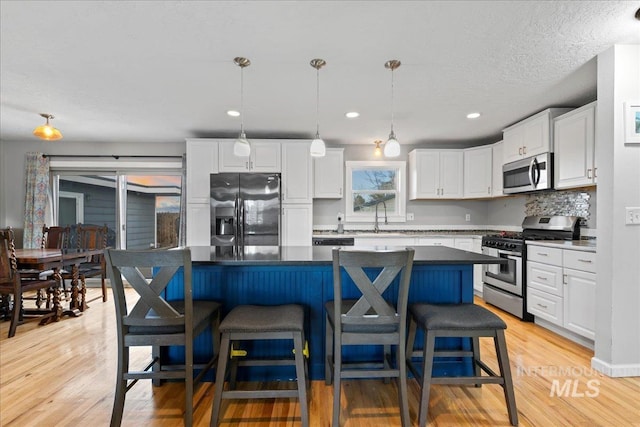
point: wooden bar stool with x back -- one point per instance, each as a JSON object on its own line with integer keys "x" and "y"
{"x": 158, "y": 322}
{"x": 363, "y": 316}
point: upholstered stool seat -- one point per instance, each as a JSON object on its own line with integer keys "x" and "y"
{"x": 459, "y": 320}
{"x": 257, "y": 322}
{"x": 455, "y": 316}
{"x": 264, "y": 318}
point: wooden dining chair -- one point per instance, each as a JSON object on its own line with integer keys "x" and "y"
{"x": 92, "y": 237}
{"x": 11, "y": 283}
{"x": 360, "y": 315}
{"x": 57, "y": 237}
{"x": 158, "y": 322}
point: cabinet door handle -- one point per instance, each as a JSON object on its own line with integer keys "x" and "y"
{"x": 565, "y": 280}
{"x": 246, "y": 165}
{"x": 585, "y": 260}
{"x": 520, "y": 151}
{"x": 524, "y": 150}
{"x": 250, "y": 165}
{"x": 488, "y": 190}
{"x": 542, "y": 254}
{"x": 541, "y": 305}
{"x": 542, "y": 278}
{"x": 589, "y": 173}
{"x": 595, "y": 172}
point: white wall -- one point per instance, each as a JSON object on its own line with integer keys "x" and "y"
{"x": 617, "y": 341}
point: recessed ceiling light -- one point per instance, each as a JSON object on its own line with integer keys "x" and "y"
{"x": 233, "y": 113}
{"x": 352, "y": 114}
{"x": 473, "y": 115}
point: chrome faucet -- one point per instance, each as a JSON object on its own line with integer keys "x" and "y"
{"x": 376, "y": 228}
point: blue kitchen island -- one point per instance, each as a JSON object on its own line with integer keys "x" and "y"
{"x": 303, "y": 275}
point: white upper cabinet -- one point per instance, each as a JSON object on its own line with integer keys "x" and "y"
{"x": 202, "y": 161}
{"x": 328, "y": 175}
{"x": 264, "y": 157}
{"x": 478, "y": 172}
{"x": 297, "y": 177}
{"x": 436, "y": 174}
{"x": 498, "y": 159}
{"x": 574, "y": 138}
{"x": 531, "y": 136}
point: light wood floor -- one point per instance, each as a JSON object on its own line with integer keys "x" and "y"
{"x": 64, "y": 374}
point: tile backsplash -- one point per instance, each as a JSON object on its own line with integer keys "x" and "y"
{"x": 563, "y": 202}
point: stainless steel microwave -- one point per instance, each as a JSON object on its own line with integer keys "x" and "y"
{"x": 530, "y": 174}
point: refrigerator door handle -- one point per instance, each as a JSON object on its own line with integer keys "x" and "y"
{"x": 235, "y": 226}
{"x": 241, "y": 222}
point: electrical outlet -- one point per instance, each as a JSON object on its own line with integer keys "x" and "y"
{"x": 467, "y": 217}
{"x": 632, "y": 216}
{"x": 410, "y": 216}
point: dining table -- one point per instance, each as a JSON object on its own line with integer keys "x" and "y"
{"x": 57, "y": 260}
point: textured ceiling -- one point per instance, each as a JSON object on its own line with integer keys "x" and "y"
{"x": 163, "y": 71}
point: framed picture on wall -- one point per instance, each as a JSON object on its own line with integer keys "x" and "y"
{"x": 632, "y": 122}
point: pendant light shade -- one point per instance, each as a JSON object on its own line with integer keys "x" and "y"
{"x": 392, "y": 147}
{"x": 318, "y": 149}
{"x": 241, "y": 146}
{"x": 46, "y": 131}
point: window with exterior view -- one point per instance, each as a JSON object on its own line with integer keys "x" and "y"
{"x": 371, "y": 184}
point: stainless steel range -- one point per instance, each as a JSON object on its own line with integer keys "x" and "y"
{"x": 505, "y": 284}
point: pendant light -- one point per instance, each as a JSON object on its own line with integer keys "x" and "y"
{"x": 46, "y": 131}
{"x": 241, "y": 147}
{"x": 392, "y": 147}
{"x": 318, "y": 148}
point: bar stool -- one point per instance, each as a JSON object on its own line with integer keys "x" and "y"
{"x": 459, "y": 320}
{"x": 254, "y": 322}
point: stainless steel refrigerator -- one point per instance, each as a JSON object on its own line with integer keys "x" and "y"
{"x": 245, "y": 209}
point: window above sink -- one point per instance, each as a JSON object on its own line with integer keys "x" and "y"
{"x": 375, "y": 183}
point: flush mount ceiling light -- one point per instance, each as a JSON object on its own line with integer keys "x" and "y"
{"x": 473, "y": 115}
{"x": 392, "y": 147}
{"x": 46, "y": 131}
{"x": 352, "y": 114}
{"x": 318, "y": 149}
{"x": 241, "y": 147}
{"x": 377, "y": 152}
{"x": 233, "y": 113}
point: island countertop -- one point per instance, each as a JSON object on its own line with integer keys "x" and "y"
{"x": 317, "y": 255}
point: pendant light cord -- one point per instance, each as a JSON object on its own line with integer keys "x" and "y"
{"x": 391, "y": 100}
{"x": 317, "y": 103}
{"x": 241, "y": 100}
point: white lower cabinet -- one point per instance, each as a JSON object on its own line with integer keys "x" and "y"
{"x": 561, "y": 288}
{"x": 297, "y": 224}
{"x": 436, "y": 241}
{"x": 580, "y": 302}
{"x": 476, "y": 246}
{"x": 198, "y": 224}
{"x": 369, "y": 241}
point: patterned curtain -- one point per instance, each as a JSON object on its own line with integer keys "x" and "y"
{"x": 182, "y": 234}
{"x": 35, "y": 206}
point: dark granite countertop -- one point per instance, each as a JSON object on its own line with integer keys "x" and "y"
{"x": 314, "y": 255}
